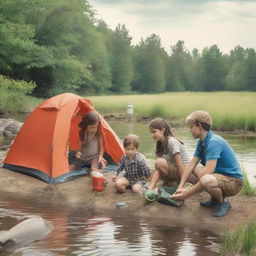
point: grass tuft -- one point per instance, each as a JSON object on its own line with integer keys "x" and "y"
{"x": 240, "y": 242}
{"x": 248, "y": 189}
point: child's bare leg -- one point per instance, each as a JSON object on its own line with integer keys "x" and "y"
{"x": 121, "y": 184}
{"x": 72, "y": 167}
{"x": 95, "y": 165}
{"x": 167, "y": 173}
{"x": 136, "y": 188}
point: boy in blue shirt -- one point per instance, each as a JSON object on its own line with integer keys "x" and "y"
{"x": 221, "y": 175}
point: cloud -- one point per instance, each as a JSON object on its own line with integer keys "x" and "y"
{"x": 199, "y": 23}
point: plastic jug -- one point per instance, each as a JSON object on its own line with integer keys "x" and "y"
{"x": 97, "y": 181}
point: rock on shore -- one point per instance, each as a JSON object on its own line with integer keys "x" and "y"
{"x": 9, "y": 127}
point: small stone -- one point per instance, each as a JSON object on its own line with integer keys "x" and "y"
{"x": 120, "y": 204}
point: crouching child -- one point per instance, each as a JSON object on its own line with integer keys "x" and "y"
{"x": 135, "y": 165}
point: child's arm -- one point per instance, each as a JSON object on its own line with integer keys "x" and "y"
{"x": 155, "y": 178}
{"x": 102, "y": 160}
{"x": 174, "y": 150}
{"x": 178, "y": 163}
{"x": 145, "y": 168}
{"x": 119, "y": 168}
{"x": 79, "y": 153}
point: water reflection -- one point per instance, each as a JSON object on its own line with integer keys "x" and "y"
{"x": 84, "y": 232}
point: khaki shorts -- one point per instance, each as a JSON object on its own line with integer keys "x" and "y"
{"x": 174, "y": 175}
{"x": 229, "y": 186}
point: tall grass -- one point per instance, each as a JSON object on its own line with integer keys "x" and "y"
{"x": 248, "y": 189}
{"x": 240, "y": 242}
{"x": 230, "y": 110}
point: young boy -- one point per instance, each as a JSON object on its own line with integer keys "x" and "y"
{"x": 221, "y": 175}
{"x": 135, "y": 166}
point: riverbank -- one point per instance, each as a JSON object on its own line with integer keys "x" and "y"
{"x": 77, "y": 194}
{"x": 176, "y": 123}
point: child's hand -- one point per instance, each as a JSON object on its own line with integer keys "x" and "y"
{"x": 103, "y": 162}
{"x": 114, "y": 178}
{"x": 78, "y": 154}
{"x": 153, "y": 189}
{"x": 180, "y": 194}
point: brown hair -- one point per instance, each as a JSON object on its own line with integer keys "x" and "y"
{"x": 90, "y": 118}
{"x": 131, "y": 139}
{"x": 159, "y": 124}
{"x": 200, "y": 117}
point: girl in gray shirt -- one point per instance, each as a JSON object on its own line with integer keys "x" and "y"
{"x": 171, "y": 156}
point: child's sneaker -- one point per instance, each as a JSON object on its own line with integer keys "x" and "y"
{"x": 222, "y": 208}
{"x": 211, "y": 203}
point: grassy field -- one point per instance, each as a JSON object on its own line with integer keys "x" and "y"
{"x": 230, "y": 110}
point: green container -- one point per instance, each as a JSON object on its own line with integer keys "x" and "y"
{"x": 151, "y": 195}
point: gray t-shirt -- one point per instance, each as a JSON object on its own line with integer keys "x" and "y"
{"x": 91, "y": 149}
{"x": 174, "y": 147}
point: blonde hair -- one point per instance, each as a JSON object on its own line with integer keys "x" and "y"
{"x": 131, "y": 139}
{"x": 200, "y": 117}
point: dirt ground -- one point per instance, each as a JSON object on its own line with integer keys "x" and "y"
{"x": 78, "y": 194}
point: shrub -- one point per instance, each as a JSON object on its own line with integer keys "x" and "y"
{"x": 13, "y": 94}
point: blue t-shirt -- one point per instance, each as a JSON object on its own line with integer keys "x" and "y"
{"x": 214, "y": 147}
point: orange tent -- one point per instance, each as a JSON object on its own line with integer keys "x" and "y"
{"x": 49, "y": 133}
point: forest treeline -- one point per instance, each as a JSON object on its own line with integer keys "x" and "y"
{"x": 59, "y": 46}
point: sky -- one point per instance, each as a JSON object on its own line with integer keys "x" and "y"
{"x": 199, "y": 23}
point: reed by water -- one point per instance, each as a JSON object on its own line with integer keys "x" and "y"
{"x": 230, "y": 110}
{"x": 240, "y": 242}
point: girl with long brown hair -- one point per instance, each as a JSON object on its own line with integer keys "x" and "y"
{"x": 91, "y": 150}
{"x": 170, "y": 152}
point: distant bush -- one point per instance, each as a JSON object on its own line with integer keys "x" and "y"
{"x": 13, "y": 94}
{"x": 158, "y": 111}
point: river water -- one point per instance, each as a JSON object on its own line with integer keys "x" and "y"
{"x": 95, "y": 233}
{"x": 92, "y": 233}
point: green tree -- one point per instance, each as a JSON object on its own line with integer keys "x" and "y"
{"x": 149, "y": 61}
{"x": 121, "y": 61}
{"x": 212, "y": 70}
{"x": 178, "y": 67}
{"x": 19, "y": 50}
{"x": 250, "y": 68}
{"x": 66, "y": 26}
{"x": 194, "y": 70}
{"x": 235, "y": 79}
{"x": 55, "y": 44}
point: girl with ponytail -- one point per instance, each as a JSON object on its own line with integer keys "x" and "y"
{"x": 171, "y": 156}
